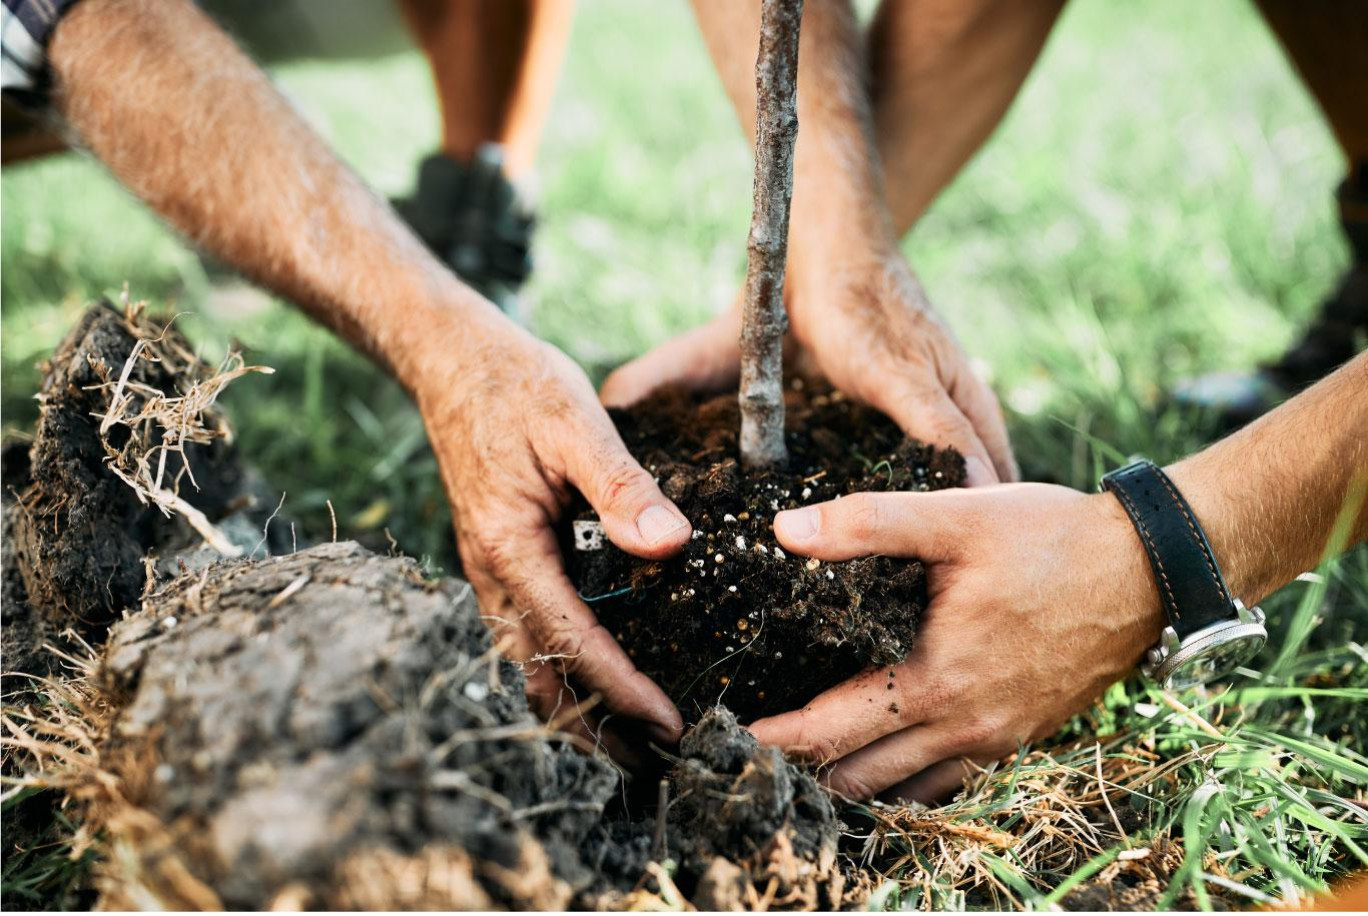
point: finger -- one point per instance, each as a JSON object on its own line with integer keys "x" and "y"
{"x": 886, "y": 762}
{"x": 937, "y": 783}
{"x": 845, "y": 718}
{"x": 706, "y": 358}
{"x": 636, "y": 516}
{"x": 578, "y": 644}
{"x": 981, "y": 406}
{"x": 926, "y": 525}
{"x": 934, "y": 418}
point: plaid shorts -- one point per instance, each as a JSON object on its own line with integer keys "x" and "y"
{"x": 24, "y": 33}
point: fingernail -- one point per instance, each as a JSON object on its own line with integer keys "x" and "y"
{"x": 798, "y": 524}
{"x": 663, "y": 734}
{"x": 657, "y": 523}
{"x": 976, "y": 473}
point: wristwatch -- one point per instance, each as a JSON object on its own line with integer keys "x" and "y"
{"x": 1210, "y": 632}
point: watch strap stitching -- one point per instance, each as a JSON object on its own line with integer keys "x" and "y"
{"x": 1197, "y": 535}
{"x": 1155, "y": 560}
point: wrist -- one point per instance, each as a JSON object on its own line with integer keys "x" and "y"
{"x": 433, "y": 339}
{"x": 1139, "y": 612}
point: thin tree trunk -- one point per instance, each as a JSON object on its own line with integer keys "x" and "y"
{"x": 764, "y": 320}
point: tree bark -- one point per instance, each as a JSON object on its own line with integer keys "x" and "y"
{"x": 764, "y": 320}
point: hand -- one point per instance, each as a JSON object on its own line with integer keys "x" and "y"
{"x": 1040, "y": 597}
{"x": 864, "y": 323}
{"x": 514, "y": 428}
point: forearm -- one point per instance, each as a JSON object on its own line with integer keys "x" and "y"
{"x": 1270, "y": 495}
{"x": 192, "y": 126}
{"x": 944, "y": 74}
{"x": 837, "y": 180}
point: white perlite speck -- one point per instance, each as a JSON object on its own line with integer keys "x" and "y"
{"x": 588, "y": 534}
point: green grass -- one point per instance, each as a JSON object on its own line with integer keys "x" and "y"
{"x": 1158, "y": 203}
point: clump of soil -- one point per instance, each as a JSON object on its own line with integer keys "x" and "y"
{"x": 287, "y": 719}
{"x": 714, "y": 623}
{"x": 77, "y": 533}
{"x": 743, "y": 817}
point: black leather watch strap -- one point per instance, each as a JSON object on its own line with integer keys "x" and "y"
{"x": 1190, "y": 583}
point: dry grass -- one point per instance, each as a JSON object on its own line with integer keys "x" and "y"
{"x": 160, "y": 424}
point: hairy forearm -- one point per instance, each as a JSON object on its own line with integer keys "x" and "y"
{"x": 944, "y": 72}
{"x": 1270, "y": 495}
{"x": 837, "y": 179}
{"x": 183, "y": 118}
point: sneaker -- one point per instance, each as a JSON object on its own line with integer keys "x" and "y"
{"x": 471, "y": 217}
{"x": 1339, "y": 331}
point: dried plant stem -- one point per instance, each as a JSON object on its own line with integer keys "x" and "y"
{"x": 764, "y": 320}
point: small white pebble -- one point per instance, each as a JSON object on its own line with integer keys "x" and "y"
{"x": 720, "y": 559}
{"x": 807, "y": 491}
{"x": 729, "y": 519}
{"x": 169, "y": 622}
{"x": 774, "y": 504}
{"x": 830, "y": 574}
{"x": 761, "y": 548}
{"x": 731, "y": 649}
{"x": 164, "y": 772}
{"x": 674, "y": 596}
{"x": 778, "y": 655}
{"x": 697, "y": 534}
{"x": 740, "y": 542}
{"x": 779, "y": 552}
{"x": 476, "y": 691}
{"x": 731, "y": 588}
{"x": 813, "y": 563}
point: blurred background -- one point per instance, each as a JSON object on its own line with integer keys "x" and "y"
{"x": 1158, "y": 203}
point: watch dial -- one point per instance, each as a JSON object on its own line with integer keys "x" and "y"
{"x": 1215, "y": 661}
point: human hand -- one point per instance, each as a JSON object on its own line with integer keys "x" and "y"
{"x": 515, "y": 424}
{"x": 1040, "y": 597}
{"x": 863, "y": 322}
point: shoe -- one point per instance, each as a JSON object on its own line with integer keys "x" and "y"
{"x": 1339, "y": 332}
{"x": 471, "y": 217}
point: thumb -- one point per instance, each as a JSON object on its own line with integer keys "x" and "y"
{"x": 636, "y": 516}
{"x": 706, "y": 358}
{"x": 924, "y": 525}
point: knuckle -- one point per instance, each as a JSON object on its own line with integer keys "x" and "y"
{"x": 813, "y": 743}
{"x": 850, "y": 783}
{"x": 979, "y": 731}
{"x": 861, "y": 516}
{"x": 622, "y": 482}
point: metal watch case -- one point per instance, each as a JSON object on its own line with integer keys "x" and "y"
{"x": 1209, "y": 653}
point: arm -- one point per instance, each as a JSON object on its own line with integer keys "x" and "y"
{"x": 853, "y": 302}
{"x": 1041, "y": 596}
{"x": 944, "y": 72}
{"x": 190, "y": 125}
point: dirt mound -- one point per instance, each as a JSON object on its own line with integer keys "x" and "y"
{"x": 716, "y": 622}
{"x": 288, "y": 718}
{"x": 750, "y": 824}
{"x": 76, "y": 532}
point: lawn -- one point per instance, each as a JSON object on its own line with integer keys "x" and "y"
{"x": 1157, "y": 203}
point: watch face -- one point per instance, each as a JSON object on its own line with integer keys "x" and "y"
{"x": 1214, "y": 660}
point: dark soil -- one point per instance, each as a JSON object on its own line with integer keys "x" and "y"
{"x": 77, "y": 533}
{"x": 713, "y": 623}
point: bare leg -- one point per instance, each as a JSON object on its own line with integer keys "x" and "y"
{"x": 944, "y": 72}
{"x": 495, "y": 64}
{"x": 1328, "y": 44}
